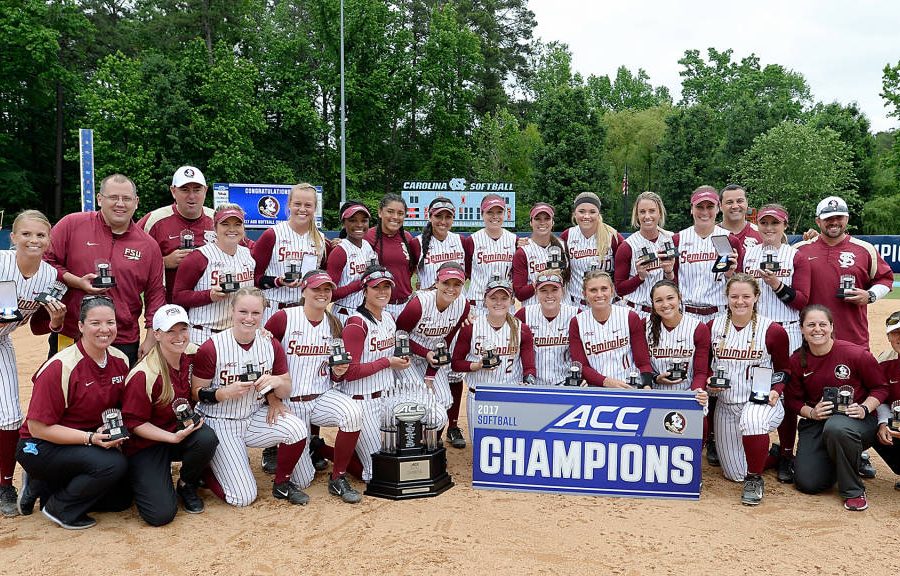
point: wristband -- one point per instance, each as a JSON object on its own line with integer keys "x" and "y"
{"x": 90, "y": 439}
{"x": 207, "y": 395}
{"x": 866, "y": 408}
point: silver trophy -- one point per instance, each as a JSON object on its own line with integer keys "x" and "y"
{"x": 339, "y": 355}
{"x": 187, "y": 240}
{"x": 847, "y": 286}
{"x": 574, "y": 377}
{"x": 184, "y": 413}
{"x": 894, "y": 420}
{"x": 554, "y": 259}
{"x": 104, "y": 278}
{"x": 719, "y": 380}
{"x": 401, "y": 344}
{"x": 113, "y": 425}
{"x": 844, "y": 398}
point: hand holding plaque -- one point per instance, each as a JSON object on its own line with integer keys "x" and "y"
{"x": 185, "y": 414}
{"x": 574, "y": 377}
{"x": 719, "y": 380}
{"x": 668, "y": 251}
{"x": 554, "y": 257}
{"x": 647, "y": 257}
{"x": 104, "y": 277}
{"x": 187, "y": 240}
{"x": 9, "y": 303}
{"x": 760, "y": 384}
{"x": 846, "y": 287}
{"x": 441, "y": 355}
{"x": 401, "y": 344}
{"x": 844, "y": 399}
{"x": 489, "y": 358}
{"x": 53, "y": 293}
{"x": 770, "y": 264}
{"x": 723, "y": 250}
{"x": 634, "y": 380}
{"x": 114, "y": 425}
{"x": 677, "y": 372}
{"x": 339, "y": 355}
{"x": 227, "y": 282}
{"x": 292, "y": 271}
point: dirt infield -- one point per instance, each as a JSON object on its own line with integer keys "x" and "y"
{"x": 477, "y": 532}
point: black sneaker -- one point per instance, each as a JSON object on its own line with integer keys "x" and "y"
{"x": 319, "y": 462}
{"x": 712, "y": 455}
{"x": 754, "y": 487}
{"x": 8, "y": 501}
{"x": 81, "y": 523}
{"x": 290, "y": 492}
{"x": 340, "y": 486}
{"x": 269, "y": 459}
{"x": 786, "y": 469}
{"x": 27, "y": 498}
{"x": 866, "y": 470}
{"x": 192, "y": 503}
{"x": 456, "y": 438}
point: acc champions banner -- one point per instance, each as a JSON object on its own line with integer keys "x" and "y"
{"x": 264, "y": 204}
{"x": 639, "y": 443}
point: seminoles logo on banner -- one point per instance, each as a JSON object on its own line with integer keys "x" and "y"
{"x": 846, "y": 259}
{"x": 268, "y": 206}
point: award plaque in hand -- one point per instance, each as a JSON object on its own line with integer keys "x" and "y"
{"x": 846, "y": 287}
{"x": 678, "y": 371}
{"x": 760, "y": 384}
{"x": 770, "y": 264}
{"x": 292, "y": 271}
{"x": 9, "y": 303}
{"x": 114, "y": 425}
{"x": 339, "y": 355}
{"x": 184, "y": 413}
{"x": 574, "y": 377}
{"x": 227, "y": 282}
{"x": 719, "y": 380}
{"x": 104, "y": 278}
{"x": 441, "y": 354}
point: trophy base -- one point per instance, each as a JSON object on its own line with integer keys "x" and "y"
{"x": 841, "y": 294}
{"x": 893, "y": 424}
{"x": 230, "y": 287}
{"x": 765, "y": 268}
{"x": 10, "y": 317}
{"x": 103, "y": 282}
{"x": 759, "y": 399}
{"x": 422, "y": 475}
{"x": 288, "y": 277}
{"x": 721, "y": 266}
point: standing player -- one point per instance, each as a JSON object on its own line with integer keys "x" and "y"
{"x": 608, "y": 340}
{"x": 198, "y": 283}
{"x": 369, "y": 339}
{"x": 349, "y": 259}
{"x": 743, "y": 340}
{"x": 830, "y": 444}
{"x": 734, "y": 217}
{"x": 437, "y": 243}
{"x": 641, "y": 260}
{"x": 531, "y": 259}
{"x": 676, "y": 338}
{"x": 240, "y": 377}
{"x": 187, "y": 213}
{"x": 295, "y": 240}
{"x": 500, "y": 331}
{"x": 590, "y": 244}
{"x": 70, "y": 465}
{"x": 783, "y": 293}
{"x": 158, "y": 439}
{"x": 395, "y": 249}
{"x": 305, "y": 333}
{"x": 548, "y": 321}
{"x": 23, "y": 268}
{"x": 888, "y": 445}
{"x": 80, "y": 242}
{"x": 432, "y": 316}
{"x": 490, "y": 250}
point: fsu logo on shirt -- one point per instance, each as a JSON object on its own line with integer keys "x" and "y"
{"x": 846, "y": 259}
{"x": 132, "y": 254}
{"x": 842, "y": 372}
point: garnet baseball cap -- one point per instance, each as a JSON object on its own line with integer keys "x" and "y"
{"x": 228, "y": 213}
{"x": 443, "y": 206}
{"x": 704, "y": 196}
{"x": 541, "y": 208}
{"x": 187, "y": 174}
{"x": 353, "y": 209}
{"x": 832, "y": 206}
{"x": 779, "y": 215}
{"x": 316, "y": 278}
{"x": 892, "y": 323}
{"x": 449, "y": 272}
{"x": 377, "y": 276}
{"x": 168, "y": 316}
{"x": 491, "y": 201}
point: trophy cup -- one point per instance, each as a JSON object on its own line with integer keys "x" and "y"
{"x": 104, "y": 278}
{"x": 574, "y": 377}
{"x": 668, "y": 251}
{"x": 647, "y": 256}
{"x": 719, "y": 380}
{"x": 441, "y": 354}
{"x": 114, "y": 425}
{"x": 401, "y": 344}
{"x": 760, "y": 385}
{"x": 554, "y": 260}
{"x": 339, "y": 355}
{"x": 411, "y": 462}
{"x": 184, "y": 413}
{"x": 723, "y": 249}
{"x": 431, "y": 437}
{"x": 894, "y": 420}
{"x": 9, "y": 303}
{"x": 830, "y": 394}
{"x": 634, "y": 380}
{"x": 292, "y": 271}
{"x": 844, "y": 398}
{"x": 847, "y": 285}
{"x": 489, "y": 358}
{"x": 187, "y": 240}
{"x": 678, "y": 371}
{"x": 53, "y": 293}
{"x": 251, "y": 374}
{"x": 227, "y": 282}
{"x": 770, "y": 264}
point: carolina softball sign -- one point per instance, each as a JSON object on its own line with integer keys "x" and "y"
{"x": 588, "y": 441}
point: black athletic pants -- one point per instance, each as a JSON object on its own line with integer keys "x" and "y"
{"x": 828, "y": 452}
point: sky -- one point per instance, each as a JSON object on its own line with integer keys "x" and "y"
{"x": 840, "y": 47}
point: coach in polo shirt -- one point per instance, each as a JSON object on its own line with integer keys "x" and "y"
{"x": 80, "y": 241}
{"x": 186, "y": 214}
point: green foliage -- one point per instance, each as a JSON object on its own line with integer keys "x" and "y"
{"x": 881, "y": 215}
{"x": 797, "y": 165}
{"x": 852, "y": 127}
{"x": 627, "y": 92}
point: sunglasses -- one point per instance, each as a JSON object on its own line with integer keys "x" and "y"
{"x": 549, "y": 278}
{"x": 97, "y": 297}
{"x": 443, "y": 206}
{"x": 376, "y": 276}
{"x": 892, "y": 320}
{"x": 498, "y": 283}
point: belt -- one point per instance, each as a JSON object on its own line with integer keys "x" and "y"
{"x": 640, "y": 307}
{"x": 213, "y": 330}
{"x": 706, "y": 311}
{"x": 304, "y": 397}
{"x": 371, "y": 396}
{"x": 283, "y": 305}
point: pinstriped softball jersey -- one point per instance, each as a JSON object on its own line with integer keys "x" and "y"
{"x": 551, "y": 343}
{"x": 450, "y": 249}
{"x": 582, "y": 255}
{"x": 379, "y": 343}
{"x": 509, "y": 371}
{"x": 676, "y": 345}
{"x": 607, "y": 345}
{"x": 290, "y": 245}
{"x": 490, "y": 258}
{"x": 231, "y": 363}
{"x": 217, "y": 315}
{"x": 641, "y": 294}
{"x": 699, "y": 286}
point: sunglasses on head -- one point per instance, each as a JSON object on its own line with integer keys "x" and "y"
{"x": 893, "y": 319}
{"x": 378, "y": 275}
{"x": 549, "y": 278}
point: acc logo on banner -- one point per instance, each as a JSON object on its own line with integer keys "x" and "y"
{"x": 588, "y": 441}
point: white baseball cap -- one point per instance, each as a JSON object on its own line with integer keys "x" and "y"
{"x": 187, "y": 174}
{"x": 832, "y": 206}
{"x": 168, "y": 316}
{"x": 892, "y": 322}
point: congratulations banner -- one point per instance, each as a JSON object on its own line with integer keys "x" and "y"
{"x": 597, "y": 441}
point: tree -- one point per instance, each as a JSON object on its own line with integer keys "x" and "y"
{"x": 881, "y": 215}
{"x": 627, "y": 92}
{"x": 852, "y": 127}
{"x": 797, "y": 165}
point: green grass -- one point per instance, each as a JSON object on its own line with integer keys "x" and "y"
{"x": 895, "y": 293}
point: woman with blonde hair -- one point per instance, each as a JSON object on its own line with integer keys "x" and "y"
{"x": 295, "y": 242}
{"x": 590, "y": 243}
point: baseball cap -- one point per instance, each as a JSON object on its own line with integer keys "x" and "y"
{"x": 544, "y": 279}
{"x": 187, "y": 174}
{"x": 780, "y": 215}
{"x": 832, "y": 206}
{"x": 353, "y": 209}
{"x": 316, "y": 278}
{"x": 448, "y": 272}
{"x": 377, "y": 276}
{"x": 497, "y": 283}
{"x": 443, "y": 206}
{"x": 168, "y": 316}
{"x": 491, "y": 201}
{"x": 704, "y": 195}
{"x": 892, "y": 323}
{"x": 228, "y": 213}
{"x": 542, "y": 208}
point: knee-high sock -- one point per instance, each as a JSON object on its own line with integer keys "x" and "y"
{"x": 756, "y": 447}
{"x": 344, "y": 449}
{"x": 9, "y": 439}
{"x": 213, "y": 484}
{"x": 456, "y": 389}
{"x": 787, "y": 433}
{"x": 288, "y": 456}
